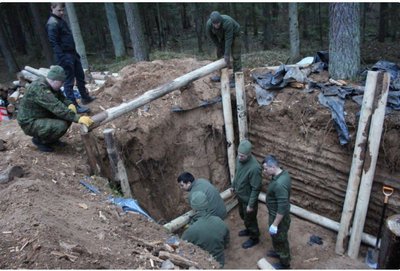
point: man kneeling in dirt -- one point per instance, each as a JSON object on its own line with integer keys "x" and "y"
{"x": 209, "y": 231}
{"x": 45, "y": 113}
{"x": 188, "y": 183}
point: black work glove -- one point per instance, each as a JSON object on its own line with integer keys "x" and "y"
{"x": 227, "y": 60}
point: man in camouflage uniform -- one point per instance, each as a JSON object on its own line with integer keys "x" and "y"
{"x": 63, "y": 44}
{"x": 278, "y": 203}
{"x": 208, "y": 232}
{"x": 247, "y": 185}
{"x": 45, "y": 113}
{"x": 225, "y": 34}
{"x": 217, "y": 207}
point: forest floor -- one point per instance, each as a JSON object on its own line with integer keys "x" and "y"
{"x": 50, "y": 221}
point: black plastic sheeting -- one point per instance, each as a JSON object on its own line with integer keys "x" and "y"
{"x": 332, "y": 97}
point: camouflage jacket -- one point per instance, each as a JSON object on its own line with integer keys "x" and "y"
{"x": 41, "y": 101}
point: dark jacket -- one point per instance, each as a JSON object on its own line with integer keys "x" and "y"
{"x": 224, "y": 35}
{"x": 247, "y": 181}
{"x": 41, "y": 101}
{"x": 60, "y": 36}
{"x": 216, "y": 203}
{"x": 278, "y": 194}
{"x": 211, "y": 234}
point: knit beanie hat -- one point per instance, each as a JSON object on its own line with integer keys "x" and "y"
{"x": 215, "y": 17}
{"x": 244, "y": 147}
{"x": 57, "y": 73}
{"x": 198, "y": 201}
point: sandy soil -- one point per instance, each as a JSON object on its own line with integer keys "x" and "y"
{"x": 50, "y": 221}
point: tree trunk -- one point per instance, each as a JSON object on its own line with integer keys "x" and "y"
{"x": 15, "y": 28}
{"x": 267, "y": 26}
{"x": 113, "y": 25}
{"x": 321, "y": 40}
{"x": 199, "y": 26}
{"x": 140, "y": 50}
{"x": 294, "y": 32}
{"x": 254, "y": 17}
{"x": 76, "y": 32}
{"x": 184, "y": 16}
{"x": 6, "y": 51}
{"x": 246, "y": 30}
{"x": 344, "y": 40}
{"x": 304, "y": 20}
{"x": 363, "y": 20}
{"x": 160, "y": 28}
{"x": 39, "y": 26}
{"x": 383, "y": 14}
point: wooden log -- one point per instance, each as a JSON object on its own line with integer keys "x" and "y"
{"x": 227, "y": 110}
{"x": 297, "y": 85}
{"x": 371, "y": 157}
{"x": 117, "y": 164}
{"x": 10, "y": 173}
{"x": 389, "y": 254}
{"x": 335, "y": 82}
{"x": 14, "y": 97}
{"x": 177, "y": 259}
{"x": 93, "y": 154}
{"x": 10, "y": 108}
{"x": 28, "y": 76}
{"x": 114, "y": 112}
{"x": 241, "y": 106}
{"x": 263, "y": 264}
{"x": 320, "y": 220}
{"x": 357, "y": 162}
{"x": 35, "y": 71}
{"x": 182, "y": 220}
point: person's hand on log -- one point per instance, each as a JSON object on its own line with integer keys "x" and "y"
{"x": 85, "y": 120}
{"x": 72, "y": 107}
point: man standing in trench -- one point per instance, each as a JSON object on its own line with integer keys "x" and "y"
{"x": 278, "y": 203}
{"x": 63, "y": 44}
{"x": 247, "y": 185}
{"x": 217, "y": 207}
{"x": 224, "y": 31}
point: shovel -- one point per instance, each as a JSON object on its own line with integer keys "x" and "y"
{"x": 372, "y": 254}
{"x": 203, "y": 104}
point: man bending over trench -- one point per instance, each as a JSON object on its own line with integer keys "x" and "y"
{"x": 209, "y": 231}
{"x": 188, "y": 183}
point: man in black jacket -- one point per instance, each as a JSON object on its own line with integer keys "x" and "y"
{"x": 63, "y": 44}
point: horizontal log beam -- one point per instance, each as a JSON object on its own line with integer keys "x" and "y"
{"x": 114, "y": 112}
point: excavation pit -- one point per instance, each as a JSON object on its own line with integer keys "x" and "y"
{"x": 157, "y": 144}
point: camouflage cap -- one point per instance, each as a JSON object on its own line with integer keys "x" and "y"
{"x": 215, "y": 17}
{"x": 57, "y": 73}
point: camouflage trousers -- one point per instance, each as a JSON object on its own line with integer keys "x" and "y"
{"x": 250, "y": 219}
{"x": 280, "y": 240}
{"x": 47, "y": 130}
{"x": 236, "y": 52}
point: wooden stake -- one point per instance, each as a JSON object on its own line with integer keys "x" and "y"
{"x": 241, "y": 105}
{"x": 371, "y": 157}
{"x": 358, "y": 162}
{"x": 227, "y": 108}
{"x": 92, "y": 151}
{"x": 117, "y": 164}
{"x": 115, "y": 112}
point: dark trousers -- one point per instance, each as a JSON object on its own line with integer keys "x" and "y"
{"x": 280, "y": 240}
{"x": 71, "y": 63}
{"x": 47, "y": 130}
{"x": 236, "y": 52}
{"x": 250, "y": 219}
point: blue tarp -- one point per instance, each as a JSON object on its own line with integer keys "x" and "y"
{"x": 128, "y": 204}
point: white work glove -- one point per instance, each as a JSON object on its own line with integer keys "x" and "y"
{"x": 273, "y": 230}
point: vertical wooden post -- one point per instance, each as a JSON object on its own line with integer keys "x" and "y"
{"x": 241, "y": 105}
{"x": 357, "y": 162}
{"x": 117, "y": 164}
{"x": 227, "y": 108}
{"x": 92, "y": 152}
{"x": 371, "y": 157}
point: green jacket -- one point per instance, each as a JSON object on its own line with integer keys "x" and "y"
{"x": 216, "y": 203}
{"x": 247, "y": 181}
{"x": 278, "y": 194}
{"x": 211, "y": 234}
{"x": 224, "y": 35}
{"x": 41, "y": 101}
